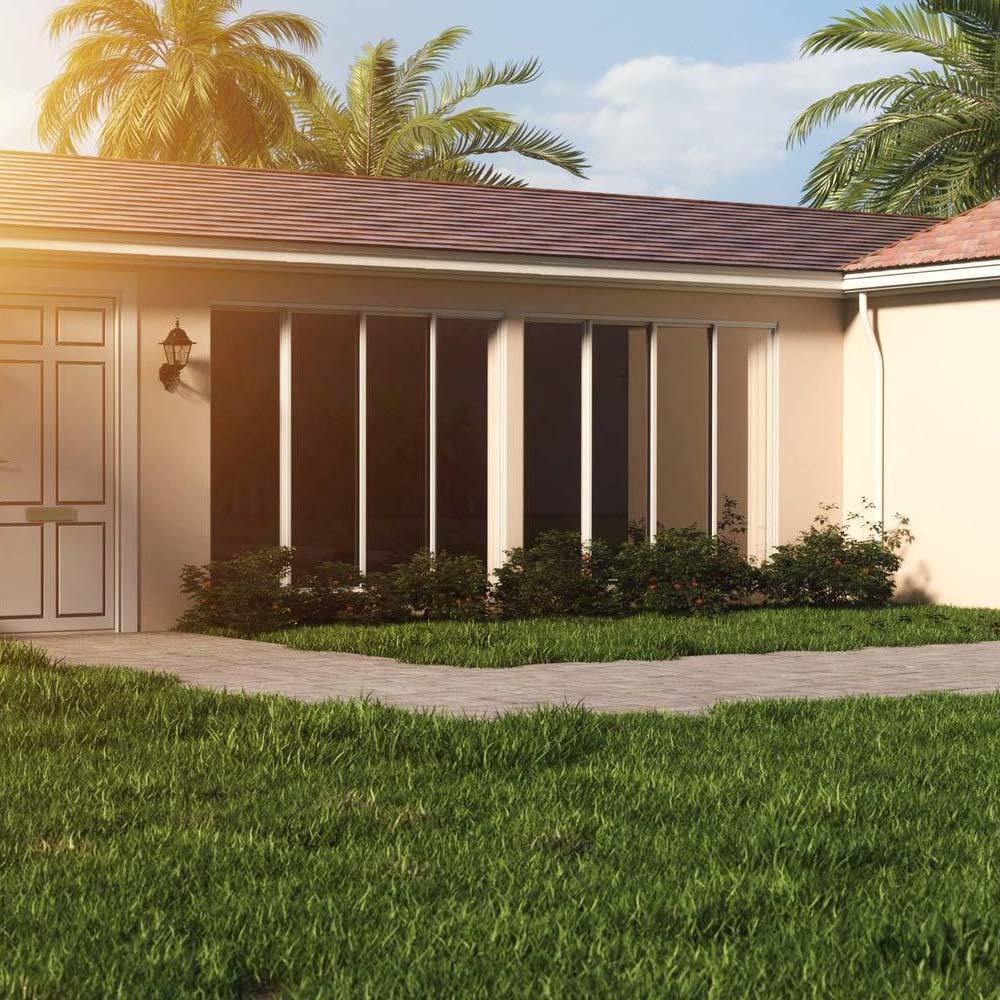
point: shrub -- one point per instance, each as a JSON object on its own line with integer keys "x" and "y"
{"x": 330, "y": 593}
{"x": 683, "y": 570}
{"x": 431, "y": 587}
{"x": 833, "y": 564}
{"x": 557, "y": 576}
{"x": 248, "y": 594}
{"x": 244, "y": 594}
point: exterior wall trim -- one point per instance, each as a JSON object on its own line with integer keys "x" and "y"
{"x": 909, "y": 279}
{"x": 586, "y": 272}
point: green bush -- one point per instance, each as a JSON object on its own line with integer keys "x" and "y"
{"x": 437, "y": 587}
{"x": 555, "y": 577}
{"x": 833, "y": 564}
{"x": 330, "y": 593}
{"x": 244, "y": 594}
{"x": 248, "y": 594}
{"x": 683, "y": 570}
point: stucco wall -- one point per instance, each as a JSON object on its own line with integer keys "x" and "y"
{"x": 175, "y": 427}
{"x": 942, "y": 426}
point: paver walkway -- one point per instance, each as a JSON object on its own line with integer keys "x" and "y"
{"x": 687, "y": 685}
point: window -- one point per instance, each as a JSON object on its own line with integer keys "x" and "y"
{"x": 551, "y": 428}
{"x": 742, "y": 433}
{"x": 683, "y": 426}
{"x": 397, "y": 435}
{"x": 244, "y": 422}
{"x": 462, "y": 346}
{"x": 620, "y": 439}
{"x": 324, "y": 438}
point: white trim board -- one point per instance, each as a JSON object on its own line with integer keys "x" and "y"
{"x": 493, "y": 268}
{"x": 909, "y": 279}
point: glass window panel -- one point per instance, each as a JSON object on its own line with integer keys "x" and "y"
{"x": 683, "y": 416}
{"x": 462, "y": 346}
{"x": 244, "y": 427}
{"x": 397, "y": 460}
{"x": 620, "y": 433}
{"x": 742, "y": 435}
{"x": 324, "y": 438}
{"x": 551, "y": 428}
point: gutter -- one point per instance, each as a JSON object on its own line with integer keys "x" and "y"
{"x": 878, "y": 366}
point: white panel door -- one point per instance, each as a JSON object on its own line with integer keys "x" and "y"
{"x": 57, "y": 463}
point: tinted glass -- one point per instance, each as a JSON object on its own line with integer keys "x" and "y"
{"x": 397, "y": 438}
{"x": 244, "y": 421}
{"x": 551, "y": 428}
{"x": 324, "y": 438}
{"x": 462, "y": 347}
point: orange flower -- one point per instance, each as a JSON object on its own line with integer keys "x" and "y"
{"x": 698, "y": 602}
{"x": 207, "y": 584}
{"x": 837, "y": 563}
{"x": 677, "y": 586}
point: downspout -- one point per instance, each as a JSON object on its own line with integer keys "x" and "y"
{"x": 878, "y": 365}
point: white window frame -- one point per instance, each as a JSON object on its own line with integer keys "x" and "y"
{"x": 285, "y": 429}
{"x": 713, "y": 329}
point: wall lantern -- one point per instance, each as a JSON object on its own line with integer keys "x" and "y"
{"x": 177, "y": 348}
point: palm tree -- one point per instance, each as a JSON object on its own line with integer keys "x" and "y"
{"x": 396, "y": 120}
{"x": 932, "y": 144}
{"x": 178, "y": 80}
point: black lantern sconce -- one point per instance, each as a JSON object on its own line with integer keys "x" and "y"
{"x": 177, "y": 348}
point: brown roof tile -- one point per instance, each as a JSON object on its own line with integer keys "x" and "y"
{"x": 179, "y": 201}
{"x": 974, "y": 235}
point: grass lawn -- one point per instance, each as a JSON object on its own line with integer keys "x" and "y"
{"x": 163, "y": 842}
{"x": 648, "y": 637}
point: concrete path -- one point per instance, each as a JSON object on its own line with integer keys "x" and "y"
{"x": 687, "y": 685}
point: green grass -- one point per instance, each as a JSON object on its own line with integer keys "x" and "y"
{"x": 157, "y": 842}
{"x": 648, "y": 637}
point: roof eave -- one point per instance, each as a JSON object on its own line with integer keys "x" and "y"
{"x": 142, "y": 249}
{"x": 924, "y": 276}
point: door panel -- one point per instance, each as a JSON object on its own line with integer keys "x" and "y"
{"x": 21, "y": 445}
{"x": 21, "y": 324}
{"x": 80, "y": 573}
{"x": 57, "y": 461}
{"x": 81, "y": 423}
{"x": 81, "y": 326}
{"x": 22, "y": 546}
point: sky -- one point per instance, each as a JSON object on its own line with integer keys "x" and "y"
{"x": 665, "y": 97}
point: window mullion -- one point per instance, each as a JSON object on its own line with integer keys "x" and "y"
{"x": 363, "y": 442}
{"x": 432, "y": 437}
{"x": 587, "y": 433}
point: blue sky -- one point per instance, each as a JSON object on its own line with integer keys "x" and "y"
{"x": 665, "y": 97}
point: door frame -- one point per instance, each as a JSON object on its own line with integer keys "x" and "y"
{"x": 122, "y": 288}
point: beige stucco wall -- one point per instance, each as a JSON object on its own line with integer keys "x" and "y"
{"x": 175, "y": 427}
{"x": 942, "y": 353}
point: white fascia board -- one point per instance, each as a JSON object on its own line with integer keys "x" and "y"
{"x": 907, "y": 279}
{"x": 723, "y": 279}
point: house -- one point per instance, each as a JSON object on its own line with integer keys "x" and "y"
{"x": 380, "y": 365}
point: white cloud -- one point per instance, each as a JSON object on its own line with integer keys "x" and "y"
{"x": 667, "y": 125}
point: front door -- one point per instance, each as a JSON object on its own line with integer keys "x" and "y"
{"x": 57, "y": 463}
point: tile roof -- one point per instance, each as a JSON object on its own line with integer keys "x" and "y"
{"x": 973, "y": 235}
{"x": 176, "y": 202}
